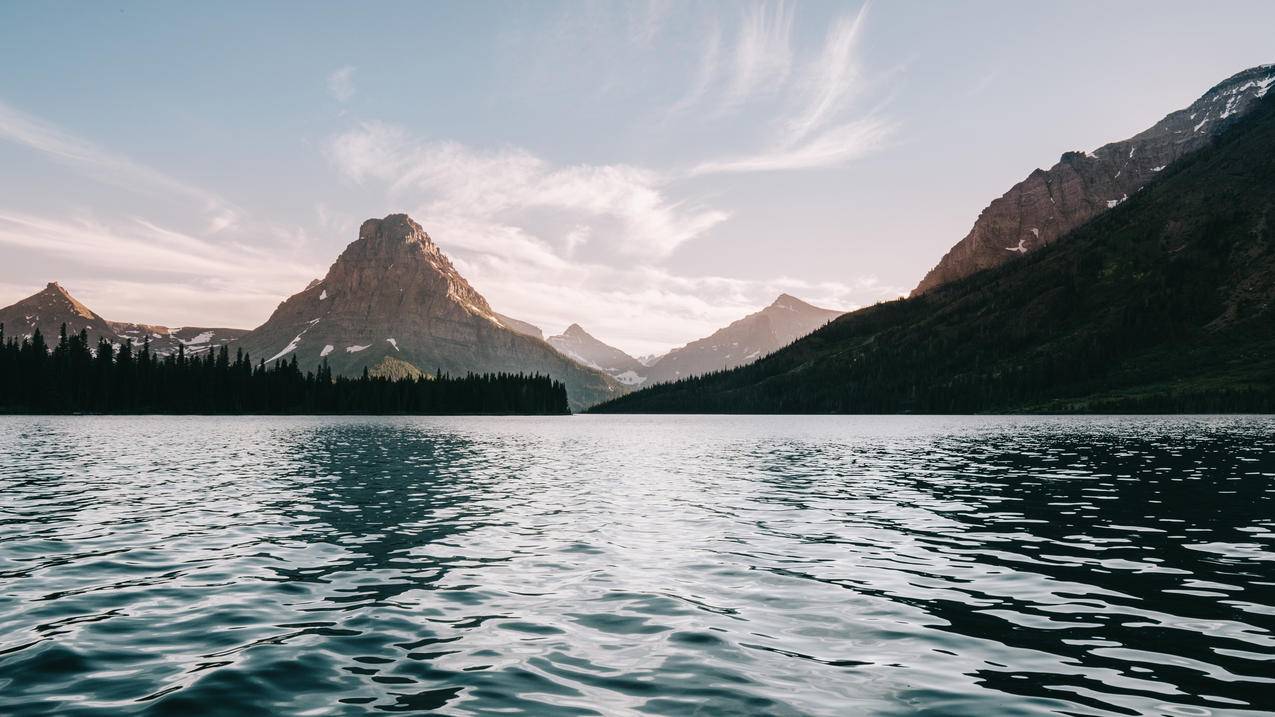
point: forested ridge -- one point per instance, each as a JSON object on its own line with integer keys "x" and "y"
{"x": 1162, "y": 304}
{"x": 71, "y": 377}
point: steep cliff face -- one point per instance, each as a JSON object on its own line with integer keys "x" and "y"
{"x": 784, "y": 321}
{"x": 393, "y": 293}
{"x": 1049, "y": 203}
{"x": 579, "y": 345}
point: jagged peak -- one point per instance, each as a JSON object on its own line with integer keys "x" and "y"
{"x": 400, "y": 227}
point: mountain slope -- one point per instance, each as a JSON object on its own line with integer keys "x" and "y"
{"x": 393, "y": 293}
{"x": 47, "y": 310}
{"x": 578, "y": 345}
{"x": 53, "y": 306}
{"x": 1163, "y": 304}
{"x": 165, "y": 340}
{"x": 1048, "y": 204}
{"x": 521, "y": 327}
{"x": 755, "y": 335}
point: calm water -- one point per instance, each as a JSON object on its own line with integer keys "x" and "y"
{"x": 624, "y": 565}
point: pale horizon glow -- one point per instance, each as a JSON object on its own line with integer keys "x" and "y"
{"x": 649, "y": 171}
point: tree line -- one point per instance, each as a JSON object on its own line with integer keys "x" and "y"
{"x": 72, "y": 377}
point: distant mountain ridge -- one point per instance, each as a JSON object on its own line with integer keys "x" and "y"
{"x": 736, "y": 344}
{"x": 1050, "y": 203}
{"x": 521, "y": 327}
{"x": 393, "y": 293}
{"x": 54, "y": 306}
{"x": 1164, "y": 304}
{"x": 785, "y": 320}
{"x": 579, "y": 345}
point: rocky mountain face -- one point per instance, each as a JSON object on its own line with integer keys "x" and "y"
{"x": 784, "y": 321}
{"x": 54, "y": 306}
{"x": 580, "y": 346}
{"x": 393, "y": 293}
{"x": 1050, "y": 203}
{"x": 47, "y": 310}
{"x": 1165, "y": 304}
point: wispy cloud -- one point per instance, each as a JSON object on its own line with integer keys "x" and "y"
{"x": 516, "y": 226}
{"x": 648, "y": 19}
{"x": 100, "y": 164}
{"x": 623, "y": 203}
{"x": 641, "y": 308}
{"x": 238, "y": 275}
{"x": 814, "y": 124}
{"x": 829, "y": 80}
{"x": 763, "y": 53}
{"x": 706, "y": 74}
{"x": 341, "y": 83}
{"x": 835, "y": 146}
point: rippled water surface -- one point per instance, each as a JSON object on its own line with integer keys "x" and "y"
{"x": 623, "y": 565}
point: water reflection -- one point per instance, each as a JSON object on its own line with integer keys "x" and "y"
{"x": 604, "y": 565}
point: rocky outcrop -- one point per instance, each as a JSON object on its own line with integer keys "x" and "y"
{"x": 744, "y": 341}
{"x": 1049, "y": 203}
{"x": 578, "y": 345}
{"x": 393, "y": 293}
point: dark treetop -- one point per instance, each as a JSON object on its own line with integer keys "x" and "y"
{"x": 71, "y": 378}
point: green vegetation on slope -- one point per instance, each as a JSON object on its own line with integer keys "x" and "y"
{"x": 395, "y": 369}
{"x": 1162, "y": 304}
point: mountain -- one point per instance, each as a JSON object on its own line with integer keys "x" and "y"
{"x": 577, "y": 344}
{"x": 1050, "y": 203}
{"x": 165, "y": 340}
{"x": 393, "y": 293}
{"x": 521, "y": 327}
{"x": 47, "y": 310}
{"x": 755, "y": 335}
{"x": 1164, "y": 304}
{"x": 54, "y": 306}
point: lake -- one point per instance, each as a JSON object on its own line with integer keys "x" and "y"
{"x": 789, "y": 565}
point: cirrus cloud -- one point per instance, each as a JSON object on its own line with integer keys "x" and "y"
{"x": 511, "y": 184}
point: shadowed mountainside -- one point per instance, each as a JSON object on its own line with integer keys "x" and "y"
{"x": 1162, "y": 304}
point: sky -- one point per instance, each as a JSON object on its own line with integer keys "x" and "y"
{"x": 650, "y": 170}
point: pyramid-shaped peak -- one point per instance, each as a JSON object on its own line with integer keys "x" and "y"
{"x": 788, "y": 301}
{"x": 56, "y": 292}
{"x": 394, "y": 228}
{"x": 575, "y": 330}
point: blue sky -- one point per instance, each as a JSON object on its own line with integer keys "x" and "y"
{"x": 651, "y": 170}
